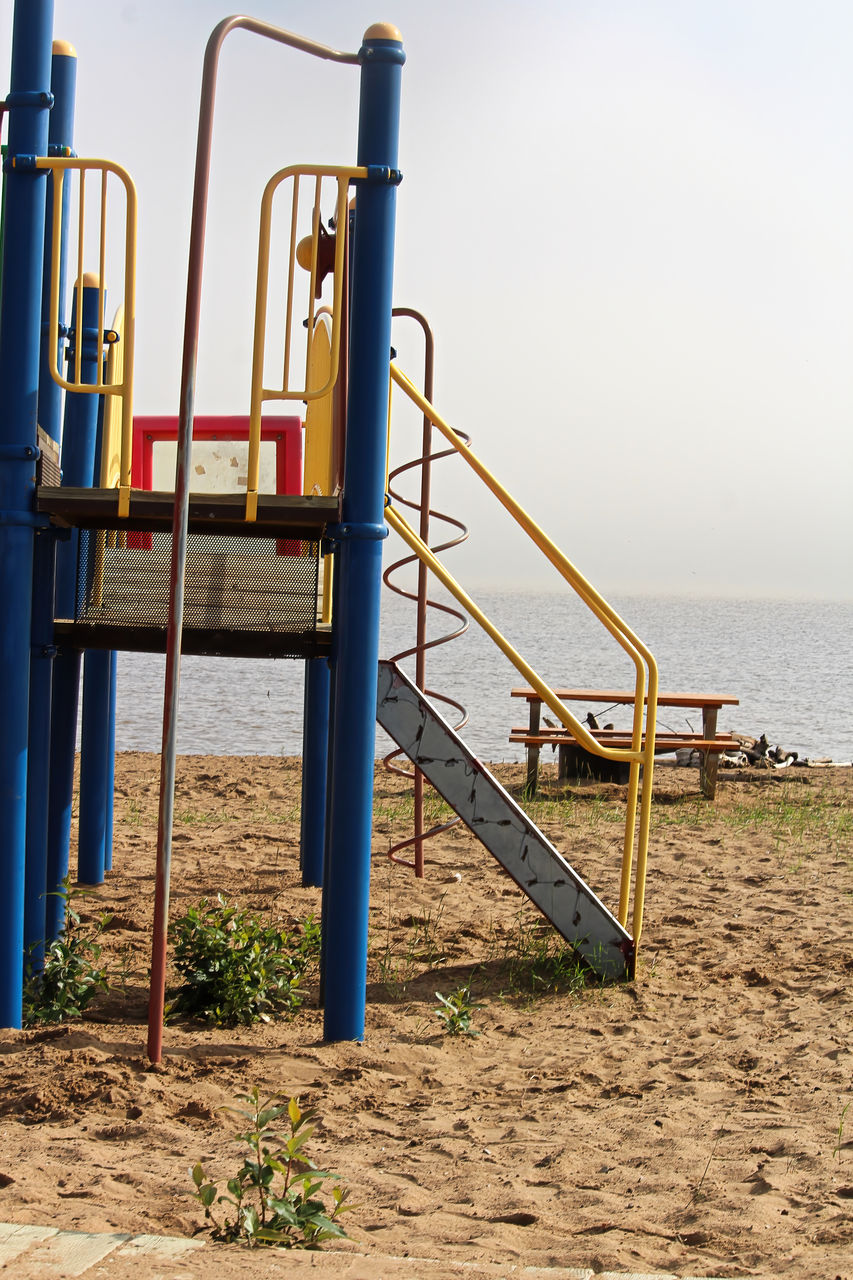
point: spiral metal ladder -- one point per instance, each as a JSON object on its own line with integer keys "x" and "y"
{"x": 426, "y": 513}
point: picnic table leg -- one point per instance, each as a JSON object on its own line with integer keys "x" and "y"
{"x": 710, "y": 759}
{"x": 533, "y": 752}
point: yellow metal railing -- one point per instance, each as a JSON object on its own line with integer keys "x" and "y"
{"x": 121, "y": 386}
{"x": 307, "y": 253}
{"x": 317, "y": 467}
{"x": 641, "y": 751}
{"x": 109, "y": 470}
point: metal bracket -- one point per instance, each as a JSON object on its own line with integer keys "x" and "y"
{"x": 62, "y": 330}
{"x": 368, "y": 532}
{"x": 22, "y": 164}
{"x": 29, "y": 98}
{"x": 381, "y": 175}
{"x": 19, "y": 453}
{"x": 25, "y": 519}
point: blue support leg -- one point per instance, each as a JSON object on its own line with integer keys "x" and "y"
{"x": 28, "y": 103}
{"x": 93, "y": 767}
{"x": 63, "y": 79}
{"x": 38, "y": 761}
{"x": 78, "y": 469}
{"x": 315, "y": 757}
{"x": 359, "y": 560}
{"x": 111, "y": 765}
{"x": 63, "y": 739}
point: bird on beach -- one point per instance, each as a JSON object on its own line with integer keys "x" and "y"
{"x": 591, "y": 720}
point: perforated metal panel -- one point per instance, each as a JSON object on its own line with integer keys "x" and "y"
{"x": 232, "y": 583}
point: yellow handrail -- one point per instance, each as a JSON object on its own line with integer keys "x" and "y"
{"x": 640, "y": 752}
{"x": 109, "y": 469}
{"x": 343, "y": 175}
{"x": 122, "y": 387}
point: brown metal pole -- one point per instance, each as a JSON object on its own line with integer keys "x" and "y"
{"x": 157, "y": 996}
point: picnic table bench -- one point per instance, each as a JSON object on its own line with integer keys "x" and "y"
{"x": 709, "y": 743}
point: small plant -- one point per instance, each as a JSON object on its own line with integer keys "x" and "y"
{"x": 839, "y": 1143}
{"x": 71, "y": 974}
{"x": 265, "y": 1211}
{"x": 237, "y": 969}
{"x": 698, "y": 1194}
{"x": 456, "y": 1011}
{"x": 425, "y": 945}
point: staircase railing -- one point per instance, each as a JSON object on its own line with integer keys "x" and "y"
{"x": 641, "y": 752}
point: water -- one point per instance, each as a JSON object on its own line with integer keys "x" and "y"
{"x": 787, "y": 661}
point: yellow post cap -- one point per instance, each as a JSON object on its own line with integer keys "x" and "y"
{"x": 383, "y": 31}
{"x": 64, "y": 48}
{"x": 91, "y": 280}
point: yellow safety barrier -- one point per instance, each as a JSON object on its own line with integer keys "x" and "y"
{"x": 109, "y": 476}
{"x": 308, "y": 252}
{"x": 122, "y": 385}
{"x": 318, "y": 467}
{"x": 641, "y": 752}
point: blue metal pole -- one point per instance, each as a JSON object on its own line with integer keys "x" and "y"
{"x": 327, "y": 818}
{"x": 315, "y": 758}
{"x": 29, "y": 102}
{"x": 94, "y": 750}
{"x": 60, "y": 139}
{"x": 63, "y": 80}
{"x": 360, "y": 534}
{"x": 95, "y": 745}
{"x": 78, "y": 469}
{"x": 111, "y": 764}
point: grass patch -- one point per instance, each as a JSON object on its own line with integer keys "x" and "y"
{"x": 535, "y": 960}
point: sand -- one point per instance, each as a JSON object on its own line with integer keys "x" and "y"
{"x": 686, "y": 1122}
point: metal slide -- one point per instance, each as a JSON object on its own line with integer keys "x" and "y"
{"x": 501, "y": 825}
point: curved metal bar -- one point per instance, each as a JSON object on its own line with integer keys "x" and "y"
{"x": 189, "y": 356}
{"x": 425, "y": 512}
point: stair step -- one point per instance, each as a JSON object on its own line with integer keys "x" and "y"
{"x": 501, "y": 825}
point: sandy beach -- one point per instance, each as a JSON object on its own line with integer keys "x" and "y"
{"x": 691, "y": 1121}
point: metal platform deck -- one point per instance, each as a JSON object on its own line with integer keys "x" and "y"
{"x": 279, "y": 515}
{"x": 251, "y": 589}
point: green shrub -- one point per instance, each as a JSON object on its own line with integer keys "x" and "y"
{"x": 71, "y": 974}
{"x": 264, "y": 1211}
{"x": 236, "y": 968}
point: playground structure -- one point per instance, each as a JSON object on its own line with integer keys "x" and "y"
{"x": 285, "y": 574}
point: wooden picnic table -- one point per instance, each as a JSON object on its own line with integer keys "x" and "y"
{"x": 710, "y": 743}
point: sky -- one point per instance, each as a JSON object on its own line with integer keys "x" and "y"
{"x": 628, "y": 222}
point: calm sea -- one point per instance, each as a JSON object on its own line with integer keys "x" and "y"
{"x": 788, "y": 662}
